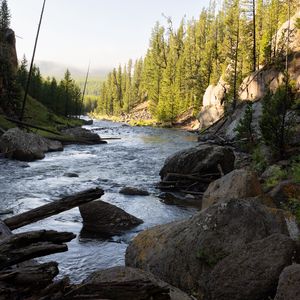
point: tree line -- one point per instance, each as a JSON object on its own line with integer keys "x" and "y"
{"x": 231, "y": 39}
{"x": 63, "y": 97}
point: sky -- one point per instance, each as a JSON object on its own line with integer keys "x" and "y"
{"x": 106, "y": 32}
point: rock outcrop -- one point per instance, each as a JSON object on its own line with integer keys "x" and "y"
{"x": 23, "y": 146}
{"x": 101, "y": 219}
{"x": 288, "y": 286}
{"x": 186, "y": 253}
{"x": 213, "y": 104}
{"x": 126, "y": 275}
{"x": 235, "y": 185}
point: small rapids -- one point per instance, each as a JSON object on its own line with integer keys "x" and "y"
{"x": 134, "y": 160}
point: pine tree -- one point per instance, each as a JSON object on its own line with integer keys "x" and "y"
{"x": 4, "y": 17}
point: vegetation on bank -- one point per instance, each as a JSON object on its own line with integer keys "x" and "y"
{"x": 180, "y": 63}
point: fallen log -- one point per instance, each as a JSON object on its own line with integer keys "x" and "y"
{"x": 21, "y": 247}
{"x": 24, "y": 124}
{"x": 38, "y": 275}
{"x": 53, "y": 208}
{"x": 190, "y": 177}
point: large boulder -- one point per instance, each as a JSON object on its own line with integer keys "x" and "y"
{"x": 23, "y": 146}
{"x": 126, "y": 275}
{"x": 252, "y": 272}
{"x": 184, "y": 253}
{"x": 84, "y": 136}
{"x": 202, "y": 159}
{"x": 237, "y": 184}
{"x": 288, "y": 286}
{"x": 101, "y": 219}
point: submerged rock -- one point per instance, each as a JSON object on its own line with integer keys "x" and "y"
{"x": 103, "y": 219}
{"x": 126, "y": 275}
{"x": 71, "y": 175}
{"x": 237, "y": 184}
{"x": 23, "y": 146}
{"x": 288, "y": 286}
{"x": 133, "y": 191}
{"x": 184, "y": 253}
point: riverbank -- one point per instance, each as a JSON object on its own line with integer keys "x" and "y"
{"x": 140, "y": 116}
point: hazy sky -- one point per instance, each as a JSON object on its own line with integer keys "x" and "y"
{"x": 108, "y": 32}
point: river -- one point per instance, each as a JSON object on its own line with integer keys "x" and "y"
{"x": 134, "y": 160}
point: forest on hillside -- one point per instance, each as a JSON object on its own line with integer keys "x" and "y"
{"x": 228, "y": 41}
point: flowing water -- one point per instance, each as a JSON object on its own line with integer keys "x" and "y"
{"x": 134, "y": 160}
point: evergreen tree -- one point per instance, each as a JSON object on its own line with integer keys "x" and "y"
{"x": 4, "y": 17}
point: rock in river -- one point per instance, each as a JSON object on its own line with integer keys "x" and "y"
{"x": 20, "y": 145}
{"x": 104, "y": 219}
{"x": 184, "y": 253}
{"x": 133, "y": 191}
{"x": 84, "y": 136}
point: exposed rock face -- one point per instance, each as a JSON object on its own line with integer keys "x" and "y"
{"x": 20, "y": 145}
{"x": 82, "y": 135}
{"x": 126, "y": 274}
{"x": 185, "y": 253}
{"x": 202, "y": 159}
{"x": 213, "y": 108}
{"x": 284, "y": 191}
{"x": 133, "y": 191}
{"x": 235, "y": 185}
{"x": 104, "y": 219}
{"x": 288, "y": 286}
{"x": 252, "y": 272}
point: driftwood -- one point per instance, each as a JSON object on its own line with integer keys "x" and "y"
{"x": 21, "y": 247}
{"x": 24, "y": 124}
{"x": 53, "y": 208}
{"x": 38, "y": 275}
{"x": 136, "y": 289}
{"x": 190, "y": 177}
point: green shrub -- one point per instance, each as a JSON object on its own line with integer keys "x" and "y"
{"x": 277, "y": 175}
{"x": 259, "y": 162}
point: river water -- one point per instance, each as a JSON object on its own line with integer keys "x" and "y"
{"x": 134, "y": 160}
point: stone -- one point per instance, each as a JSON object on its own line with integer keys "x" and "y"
{"x": 183, "y": 253}
{"x": 71, "y": 175}
{"x": 133, "y": 191}
{"x": 83, "y": 135}
{"x": 126, "y": 274}
{"x": 202, "y": 159}
{"x": 237, "y": 184}
{"x": 285, "y": 191}
{"x": 252, "y": 272}
{"x": 288, "y": 286}
{"x": 101, "y": 219}
{"x": 23, "y": 146}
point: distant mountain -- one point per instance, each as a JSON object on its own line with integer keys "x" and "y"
{"x": 49, "y": 68}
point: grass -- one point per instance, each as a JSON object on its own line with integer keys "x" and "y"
{"x": 37, "y": 114}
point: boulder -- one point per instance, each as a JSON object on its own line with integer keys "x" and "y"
{"x": 202, "y": 159}
{"x": 23, "y": 146}
{"x": 288, "y": 286}
{"x": 184, "y": 253}
{"x": 237, "y": 184}
{"x": 126, "y": 274}
{"x": 103, "y": 219}
{"x": 82, "y": 135}
{"x": 133, "y": 191}
{"x": 252, "y": 272}
{"x": 284, "y": 191}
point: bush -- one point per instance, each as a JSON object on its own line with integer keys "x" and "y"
{"x": 259, "y": 161}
